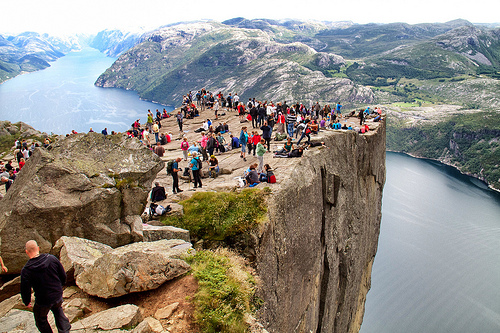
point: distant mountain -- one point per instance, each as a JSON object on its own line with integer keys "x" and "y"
{"x": 176, "y": 59}
{"x": 30, "y": 51}
{"x": 365, "y": 40}
{"x": 114, "y": 42}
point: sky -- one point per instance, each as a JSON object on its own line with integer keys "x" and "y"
{"x": 63, "y": 17}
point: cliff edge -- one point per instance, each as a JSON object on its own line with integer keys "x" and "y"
{"x": 316, "y": 252}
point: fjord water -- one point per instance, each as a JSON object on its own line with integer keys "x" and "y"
{"x": 437, "y": 265}
{"x": 63, "y": 97}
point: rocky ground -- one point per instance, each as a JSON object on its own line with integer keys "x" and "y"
{"x": 425, "y": 114}
{"x": 230, "y": 162}
{"x": 176, "y": 294}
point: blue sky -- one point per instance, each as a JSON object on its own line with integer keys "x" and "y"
{"x": 90, "y": 16}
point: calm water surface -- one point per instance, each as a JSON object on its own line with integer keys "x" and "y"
{"x": 63, "y": 97}
{"x": 437, "y": 266}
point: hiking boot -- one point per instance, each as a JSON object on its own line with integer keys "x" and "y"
{"x": 179, "y": 191}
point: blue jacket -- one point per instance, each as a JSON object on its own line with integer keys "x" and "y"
{"x": 243, "y": 138}
{"x": 195, "y": 163}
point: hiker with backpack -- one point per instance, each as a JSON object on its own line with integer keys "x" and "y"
{"x": 184, "y": 148}
{"x": 172, "y": 169}
{"x": 196, "y": 166}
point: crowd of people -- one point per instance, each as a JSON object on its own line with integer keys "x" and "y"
{"x": 260, "y": 121}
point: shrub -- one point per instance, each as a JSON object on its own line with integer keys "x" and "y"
{"x": 225, "y": 291}
{"x": 219, "y": 215}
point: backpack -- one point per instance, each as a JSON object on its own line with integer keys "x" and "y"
{"x": 170, "y": 167}
{"x": 200, "y": 163}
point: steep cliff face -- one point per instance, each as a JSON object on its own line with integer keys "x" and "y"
{"x": 315, "y": 253}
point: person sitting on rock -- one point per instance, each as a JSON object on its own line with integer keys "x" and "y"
{"x": 267, "y": 175}
{"x": 158, "y": 193}
{"x": 213, "y": 166}
{"x": 287, "y": 147}
{"x": 252, "y": 178}
{"x": 235, "y": 142}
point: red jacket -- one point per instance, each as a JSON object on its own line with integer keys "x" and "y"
{"x": 256, "y": 139}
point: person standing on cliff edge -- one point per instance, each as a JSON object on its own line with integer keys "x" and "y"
{"x": 45, "y": 274}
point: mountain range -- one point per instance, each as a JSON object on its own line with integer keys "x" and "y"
{"x": 307, "y": 61}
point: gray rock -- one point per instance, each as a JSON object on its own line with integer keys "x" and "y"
{"x": 314, "y": 254}
{"x": 166, "y": 312}
{"x": 124, "y": 316}
{"x": 70, "y": 291}
{"x": 22, "y": 321}
{"x": 76, "y": 253}
{"x": 9, "y": 304}
{"x": 149, "y": 325}
{"x": 135, "y": 267}
{"x": 153, "y": 233}
{"x": 76, "y": 308}
{"x": 85, "y": 185}
{"x": 10, "y": 288}
{"x": 13, "y": 130}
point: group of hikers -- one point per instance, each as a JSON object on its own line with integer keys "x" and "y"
{"x": 267, "y": 119}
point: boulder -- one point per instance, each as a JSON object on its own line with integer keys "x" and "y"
{"x": 135, "y": 267}
{"x": 166, "y": 312}
{"x": 9, "y": 304}
{"x": 86, "y": 185}
{"x": 19, "y": 321}
{"x": 120, "y": 317}
{"x": 10, "y": 288}
{"x": 153, "y": 233}
{"x": 149, "y": 325}
{"x": 70, "y": 291}
{"x": 76, "y": 253}
{"x": 76, "y": 308}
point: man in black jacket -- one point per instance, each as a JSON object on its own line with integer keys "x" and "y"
{"x": 45, "y": 274}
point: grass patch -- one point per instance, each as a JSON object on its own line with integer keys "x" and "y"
{"x": 226, "y": 291}
{"x": 220, "y": 215}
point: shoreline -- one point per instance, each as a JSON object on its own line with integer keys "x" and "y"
{"x": 490, "y": 187}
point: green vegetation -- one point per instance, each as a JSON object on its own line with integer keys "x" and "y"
{"x": 470, "y": 141}
{"x": 221, "y": 215}
{"x": 125, "y": 183}
{"x": 225, "y": 293}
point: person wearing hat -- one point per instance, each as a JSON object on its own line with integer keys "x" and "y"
{"x": 213, "y": 166}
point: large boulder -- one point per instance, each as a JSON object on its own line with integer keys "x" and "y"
{"x": 77, "y": 253}
{"x": 86, "y": 185}
{"x": 120, "y": 317}
{"x": 135, "y": 267}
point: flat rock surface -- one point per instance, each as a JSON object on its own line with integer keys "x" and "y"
{"x": 135, "y": 267}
